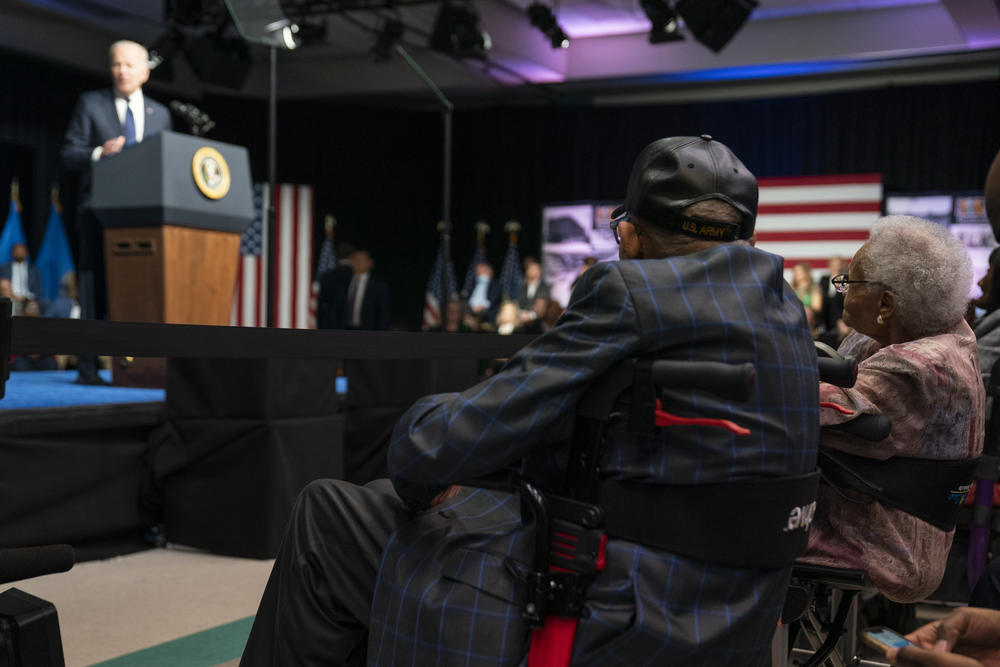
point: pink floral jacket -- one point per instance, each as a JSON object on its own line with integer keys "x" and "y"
{"x": 932, "y": 390}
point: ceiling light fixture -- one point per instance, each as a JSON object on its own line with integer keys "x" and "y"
{"x": 541, "y": 17}
{"x": 663, "y": 20}
{"x": 457, "y": 32}
{"x": 715, "y": 22}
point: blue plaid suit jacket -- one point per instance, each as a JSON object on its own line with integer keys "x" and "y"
{"x": 445, "y": 593}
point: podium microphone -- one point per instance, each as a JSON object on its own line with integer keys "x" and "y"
{"x": 198, "y": 119}
{"x": 28, "y": 562}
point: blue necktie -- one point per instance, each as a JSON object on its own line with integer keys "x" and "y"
{"x": 129, "y": 126}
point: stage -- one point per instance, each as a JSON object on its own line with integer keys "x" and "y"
{"x": 27, "y": 390}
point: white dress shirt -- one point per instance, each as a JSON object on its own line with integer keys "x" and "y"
{"x": 138, "y": 106}
{"x": 19, "y": 280}
{"x": 357, "y": 287}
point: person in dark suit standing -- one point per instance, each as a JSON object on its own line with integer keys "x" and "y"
{"x": 104, "y": 123}
{"x": 532, "y": 288}
{"x": 352, "y": 297}
{"x": 415, "y": 571}
{"x": 25, "y": 279}
{"x": 367, "y": 304}
{"x": 833, "y": 301}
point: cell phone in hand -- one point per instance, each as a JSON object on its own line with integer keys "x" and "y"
{"x": 884, "y": 638}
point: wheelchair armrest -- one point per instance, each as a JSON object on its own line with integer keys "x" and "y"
{"x": 837, "y": 577}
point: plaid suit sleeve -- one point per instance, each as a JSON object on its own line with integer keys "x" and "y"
{"x": 448, "y": 438}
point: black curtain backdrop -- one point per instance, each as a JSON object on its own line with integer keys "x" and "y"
{"x": 378, "y": 170}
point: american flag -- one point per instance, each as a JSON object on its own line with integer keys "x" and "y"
{"x": 808, "y": 219}
{"x": 293, "y": 252}
{"x": 433, "y": 297}
{"x": 327, "y": 262}
{"x": 511, "y": 276}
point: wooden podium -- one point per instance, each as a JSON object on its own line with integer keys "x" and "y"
{"x": 172, "y": 208}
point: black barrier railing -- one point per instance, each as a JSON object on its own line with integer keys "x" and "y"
{"x": 35, "y": 335}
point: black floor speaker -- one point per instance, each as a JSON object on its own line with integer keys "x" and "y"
{"x": 29, "y": 631}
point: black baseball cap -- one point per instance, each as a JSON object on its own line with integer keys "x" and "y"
{"x": 671, "y": 174}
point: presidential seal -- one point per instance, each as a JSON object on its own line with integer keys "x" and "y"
{"x": 211, "y": 173}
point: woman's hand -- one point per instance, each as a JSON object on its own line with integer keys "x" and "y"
{"x": 968, "y": 637}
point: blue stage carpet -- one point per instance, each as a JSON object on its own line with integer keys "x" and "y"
{"x": 50, "y": 389}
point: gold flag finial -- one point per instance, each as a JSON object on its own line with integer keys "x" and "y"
{"x": 55, "y": 199}
{"x": 329, "y": 224}
{"x": 15, "y": 193}
{"x": 512, "y": 228}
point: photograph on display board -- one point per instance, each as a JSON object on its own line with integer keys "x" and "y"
{"x": 573, "y": 237}
{"x": 964, "y": 214}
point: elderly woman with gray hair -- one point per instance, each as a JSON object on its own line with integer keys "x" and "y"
{"x": 905, "y": 296}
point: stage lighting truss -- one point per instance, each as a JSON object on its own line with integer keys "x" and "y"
{"x": 664, "y": 22}
{"x": 542, "y": 17}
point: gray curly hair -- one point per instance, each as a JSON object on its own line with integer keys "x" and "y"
{"x": 927, "y": 269}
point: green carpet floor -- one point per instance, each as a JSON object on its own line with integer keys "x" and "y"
{"x": 202, "y": 649}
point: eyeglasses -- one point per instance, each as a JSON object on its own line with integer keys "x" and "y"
{"x": 614, "y": 226}
{"x": 841, "y": 283}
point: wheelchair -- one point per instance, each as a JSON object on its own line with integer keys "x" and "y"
{"x": 571, "y": 530}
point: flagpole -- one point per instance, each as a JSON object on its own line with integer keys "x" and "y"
{"x": 272, "y": 161}
{"x": 444, "y": 226}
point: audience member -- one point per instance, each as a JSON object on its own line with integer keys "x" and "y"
{"x": 967, "y": 637}
{"x": 531, "y": 288}
{"x": 806, "y": 289}
{"x": 987, "y": 327}
{"x": 454, "y": 317}
{"x": 833, "y": 301}
{"x": 65, "y": 305}
{"x": 484, "y": 301}
{"x": 991, "y": 192}
{"x": 536, "y": 324}
{"x": 25, "y": 279}
{"x": 508, "y": 318}
{"x": 33, "y": 362}
{"x": 416, "y": 571}
{"x": 906, "y": 292}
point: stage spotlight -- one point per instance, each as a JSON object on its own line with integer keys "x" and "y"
{"x": 263, "y": 22}
{"x": 714, "y": 22}
{"x": 541, "y": 17}
{"x": 664, "y": 22}
{"x": 457, "y": 32}
{"x": 385, "y": 39}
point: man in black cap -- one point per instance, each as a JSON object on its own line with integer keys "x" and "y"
{"x": 414, "y": 571}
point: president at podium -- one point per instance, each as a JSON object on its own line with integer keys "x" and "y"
{"x": 104, "y": 122}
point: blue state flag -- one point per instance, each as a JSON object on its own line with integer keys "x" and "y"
{"x": 12, "y": 234}
{"x": 55, "y": 259}
{"x": 511, "y": 276}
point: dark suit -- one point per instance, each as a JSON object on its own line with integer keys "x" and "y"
{"x": 94, "y": 121}
{"x": 524, "y": 302}
{"x": 833, "y": 304}
{"x": 34, "y": 282}
{"x": 332, "y": 302}
{"x": 444, "y": 592}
